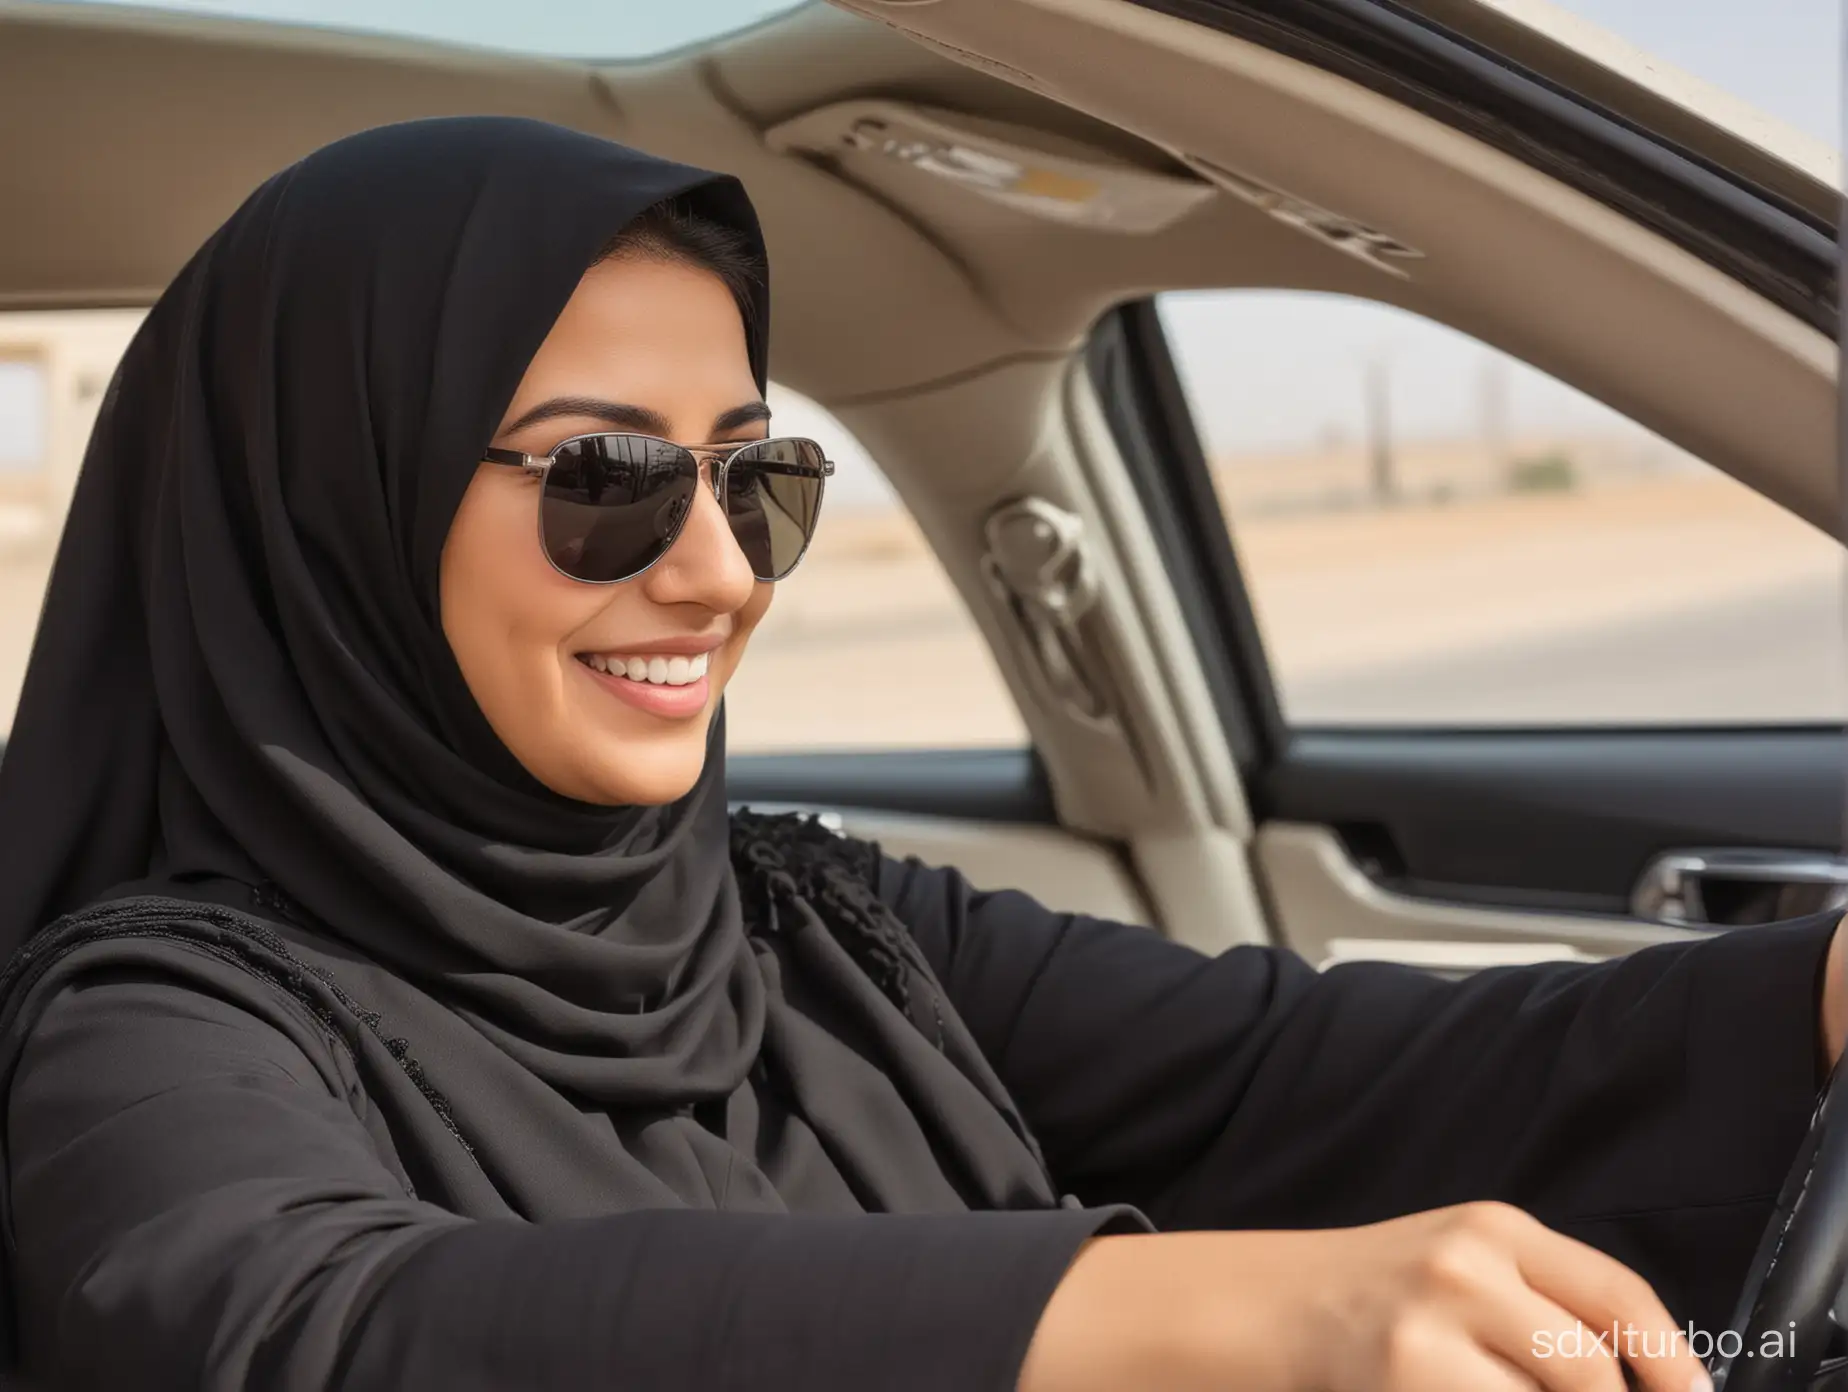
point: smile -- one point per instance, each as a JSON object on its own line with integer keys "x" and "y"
{"x": 655, "y": 671}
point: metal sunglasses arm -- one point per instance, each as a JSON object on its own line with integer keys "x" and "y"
{"x": 724, "y": 457}
{"x": 535, "y": 464}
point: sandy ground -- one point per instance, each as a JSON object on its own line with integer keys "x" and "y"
{"x": 1659, "y": 599}
{"x": 1357, "y": 590}
{"x": 1683, "y": 599}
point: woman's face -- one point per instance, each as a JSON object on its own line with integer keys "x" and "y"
{"x": 653, "y": 347}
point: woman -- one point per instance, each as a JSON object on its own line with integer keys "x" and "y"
{"x": 399, "y": 1007}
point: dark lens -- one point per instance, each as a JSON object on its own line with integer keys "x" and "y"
{"x": 614, "y": 504}
{"x": 773, "y": 498}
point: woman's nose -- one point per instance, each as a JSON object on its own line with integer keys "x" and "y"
{"x": 705, "y": 565}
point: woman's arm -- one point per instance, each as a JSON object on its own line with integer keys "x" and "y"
{"x": 1649, "y": 1106}
{"x": 198, "y": 1204}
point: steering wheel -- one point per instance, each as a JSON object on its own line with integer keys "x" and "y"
{"x": 1782, "y": 1336}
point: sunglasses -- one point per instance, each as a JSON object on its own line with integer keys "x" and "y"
{"x": 613, "y": 505}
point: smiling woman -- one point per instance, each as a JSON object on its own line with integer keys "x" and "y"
{"x": 380, "y": 945}
{"x": 575, "y": 28}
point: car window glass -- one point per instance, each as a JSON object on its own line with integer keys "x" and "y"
{"x": 1784, "y": 59}
{"x": 1433, "y": 533}
{"x": 54, "y": 368}
{"x": 867, "y": 645}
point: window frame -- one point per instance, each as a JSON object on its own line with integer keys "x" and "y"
{"x": 1537, "y": 819}
{"x": 1138, "y": 388}
{"x": 1134, "y": 373}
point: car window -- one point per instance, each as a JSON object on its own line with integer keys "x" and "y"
{"x": 1783, "y": 59}
{"x": 1433, "y": 533}
{"x": 867, "y": 645}
{"x": 54, "y": 368}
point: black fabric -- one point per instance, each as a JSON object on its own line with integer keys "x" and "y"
{"x": 241, "y": 694}
{"x": 1649, "y": 1106}
{"x": 210, "y": 1186}
{"x": 241, "y": 668}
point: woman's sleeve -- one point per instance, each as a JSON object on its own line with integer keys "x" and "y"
{"x": 1649, "y": 1106}
{"x": 198, "y": 1204}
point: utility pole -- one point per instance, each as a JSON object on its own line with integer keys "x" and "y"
{"x": 1379, "y": 430}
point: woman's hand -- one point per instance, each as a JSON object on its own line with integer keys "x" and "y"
{"x": 1479, "y": 1298}
{"x": 1835, "y": 996}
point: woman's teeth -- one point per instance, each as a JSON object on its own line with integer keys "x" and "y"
{"x": 657, "y": 671}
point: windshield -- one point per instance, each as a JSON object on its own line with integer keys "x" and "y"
{"x": 593, "y": 29}
{"x": 1782, "y": 57}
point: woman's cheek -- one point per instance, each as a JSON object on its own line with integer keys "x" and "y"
{"x": 734, "y": 653}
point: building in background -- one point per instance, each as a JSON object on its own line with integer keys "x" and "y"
{"x": 56, "y": 366}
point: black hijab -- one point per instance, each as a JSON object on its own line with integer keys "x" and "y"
{"x": 243, "y": 735}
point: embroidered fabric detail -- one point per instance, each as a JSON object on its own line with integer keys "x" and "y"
{"x": 783, "y": 858}
{"x": 780, "y": 859}
{"x": 154, "y": 917}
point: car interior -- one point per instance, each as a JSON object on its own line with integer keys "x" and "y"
{"x": 972, "y": 207}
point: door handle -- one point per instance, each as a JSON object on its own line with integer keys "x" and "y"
{"x": 1729, "y": 887}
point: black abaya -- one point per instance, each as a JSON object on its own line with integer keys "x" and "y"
{"x": 241, "y": 691}
{"x": 211, "y": 1191}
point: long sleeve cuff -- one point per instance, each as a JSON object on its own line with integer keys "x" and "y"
{"x": 677, "y": 1299}
{"x": 1754, "y": 1047}
{"x": 1736, "y": 1115}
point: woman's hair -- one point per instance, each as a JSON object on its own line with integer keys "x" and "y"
{"x": 673, "y": 230}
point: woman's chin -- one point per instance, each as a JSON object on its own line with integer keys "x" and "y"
{"x": 647, "y": 777}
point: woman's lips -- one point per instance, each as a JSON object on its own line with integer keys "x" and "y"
{"x": 673, "y": 702}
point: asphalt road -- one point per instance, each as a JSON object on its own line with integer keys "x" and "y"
{"x": 1777, "y": 656}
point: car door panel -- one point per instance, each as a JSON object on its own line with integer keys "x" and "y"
{"x": 993, "y": 785}
{"x": 1062, "y": 870}
{"x": 988, "y": 812}
{"x": 1325, "y": 906}
{"x": 1561, "y": 821}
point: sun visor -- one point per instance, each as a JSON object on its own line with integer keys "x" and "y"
{"x": 888, "y": 147}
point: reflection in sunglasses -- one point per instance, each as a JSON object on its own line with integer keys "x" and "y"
{"x": 670, "y": 515}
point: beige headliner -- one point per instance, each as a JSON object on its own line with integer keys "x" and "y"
{"x": 132, "y": 134}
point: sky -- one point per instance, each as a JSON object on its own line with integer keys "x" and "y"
{"x": 1782, "y": 56}
{"x": 1265, "y": 370}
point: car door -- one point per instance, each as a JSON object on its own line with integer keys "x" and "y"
{"x": 1552, "y": 682}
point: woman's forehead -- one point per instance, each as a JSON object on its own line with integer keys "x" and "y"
{"x": 663, "y": 337}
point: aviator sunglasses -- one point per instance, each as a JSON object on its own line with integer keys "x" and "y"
{"x": 613, "y": 504}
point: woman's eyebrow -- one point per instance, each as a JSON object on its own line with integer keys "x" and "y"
{"x": 638, "y": 418}
{"x": 751, "y": 413}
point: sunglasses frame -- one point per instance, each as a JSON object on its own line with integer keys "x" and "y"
{"x": 540, "y": 465}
